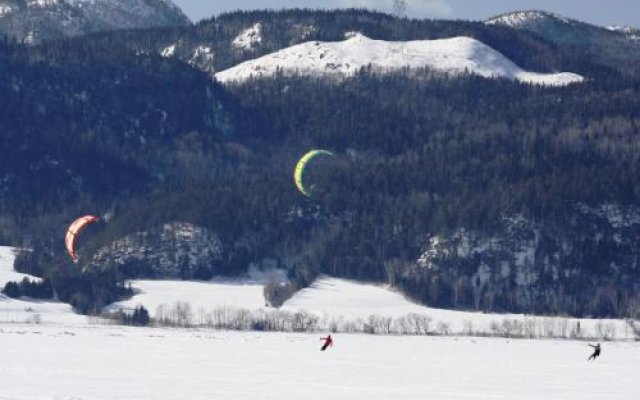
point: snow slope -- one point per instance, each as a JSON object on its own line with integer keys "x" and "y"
{"x": 332, "y": 299}
{"x": 343, "y": 59}
{"x": 342, "y": 303}
{"x": 115, "y": 363}
{"x": 343, "y": 300}
{"x": 206, "y": 296}
{"x": 7, "y": 274}
{"x": 78, "y": 360}
{"x": 26, "y": 310}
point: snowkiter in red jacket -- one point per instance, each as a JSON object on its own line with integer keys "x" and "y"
{"x": 328, "y": 341}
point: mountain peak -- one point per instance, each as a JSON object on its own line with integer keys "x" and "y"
{"x": 517, "y": 18}
{"x": 40, "y": 20}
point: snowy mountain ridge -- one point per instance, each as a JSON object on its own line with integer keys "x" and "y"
{"x": 517, "y": 18}
{"x": 455, "y": 56}
{"x": 39, "y": 20}
{"x": 628, "y": 31}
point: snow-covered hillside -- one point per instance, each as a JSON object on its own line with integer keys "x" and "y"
{"x": 517, "y": 18}
{"x": 343, "y": 59}
{"x": 116, "y": 363}
{"x": 347, "y": 305}
{"x": 340, "y": 301}
{"x": 33, "y": 21}
{"x": 7, "y": 273}
{"x": 337, "y": 303}
{"x": 203, "y": 297}
{"x": 78, "y": 360}
{"x": 26, "y": 310}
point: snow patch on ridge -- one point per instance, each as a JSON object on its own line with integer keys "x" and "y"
{"x": 169, "y": 51}
{"x": 629, "y": 32}
{"x": 248, "y": 38}
{"x": 203, "y": 59}
{"x": 6, "y": 9}
{"x": 455, "y": 56}
{"x": 515, "y": 19}
{"x": 42, "y": 3}
{"x": 617, "y": 216}
{"x": 7, "y": 273}
{"x": 24, "y": 310}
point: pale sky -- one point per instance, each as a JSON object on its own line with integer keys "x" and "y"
{"x": 599, "y": 12}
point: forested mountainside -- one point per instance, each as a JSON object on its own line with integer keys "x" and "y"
{"x": 125, "y": 126}
{"x": 616, "y": 47}
{"x": 240, "y": 36}
{"x": 36, "y": 21}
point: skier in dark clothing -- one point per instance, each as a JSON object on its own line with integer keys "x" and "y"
{"x": 328, "y": 341}
{"x": 596, "y": 351}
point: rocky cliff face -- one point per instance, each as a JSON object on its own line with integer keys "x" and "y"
{"x": 33, "y": 21}
{"x": 583, "y": 262}
{"x": 174, "y": 250}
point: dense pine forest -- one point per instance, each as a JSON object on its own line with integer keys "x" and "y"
{"x": 103, "y": 124}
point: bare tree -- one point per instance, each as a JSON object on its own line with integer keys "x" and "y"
{"x": 399, "y": 8}
{"x": 393, "y": 267}
{"x": 468, "y": 327}
{"x": 444, "y": 328}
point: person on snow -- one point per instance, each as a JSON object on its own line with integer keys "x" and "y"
{"x": 596, "y": 352}
{"x": 328, "y": 341}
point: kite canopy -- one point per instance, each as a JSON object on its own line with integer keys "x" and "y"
{"x": 302, "y": 165}
{"x": 73, "y": 231}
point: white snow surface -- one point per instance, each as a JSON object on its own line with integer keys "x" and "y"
{"x": 335, "y": 299}
{"x": 350, "y": 299}
{"x": 28, "y": 310}
{"x": 117, "y": 363}
{"x": 168, "y": 51}
{"x": 331, "y": 299}
{"x": 204, "y": 296}
{"x": 7, "y": 273}
{"x": 76, "y": 359}
{"x": 345, "y": 58}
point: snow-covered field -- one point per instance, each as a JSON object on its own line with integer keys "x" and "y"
{"x": 339, "y": 303}
{"x": 200, "y": 295}
{"x": 7, "y": 273}
{"x": 343, "y": 59}
{"x": 345, "y": 300}
{"x": 350, "y": 305}
{"x": 117, "y": 363}
{"x": 26, "y": 310}
{"x": 65, "y": 356}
